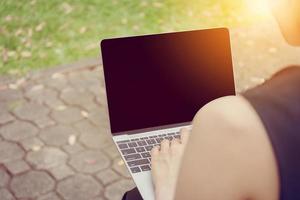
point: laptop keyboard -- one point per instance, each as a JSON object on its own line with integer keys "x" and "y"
{"x": 137, "y": 151}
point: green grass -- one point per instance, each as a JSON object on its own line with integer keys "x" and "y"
{"x": 36, "y": 34}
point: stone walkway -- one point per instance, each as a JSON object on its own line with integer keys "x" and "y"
{"x": 54, "y": 132}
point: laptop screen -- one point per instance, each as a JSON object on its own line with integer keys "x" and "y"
{"x": 164, "y": 79}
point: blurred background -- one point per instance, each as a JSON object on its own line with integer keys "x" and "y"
{"x": 55, "y": 141}
{"x": 37, "y": 34}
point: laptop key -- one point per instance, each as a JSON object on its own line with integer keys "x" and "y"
{"x": 171, "y": 133}
{"x": 148, "y": 148}
{"x": 146, "y": 155}
{"x": 135, "y": 170}
{"x": 177, "y": 136}
{"x": 123, "y": 146}
{"x": 145, "y": 168}
{"x": 140, "y": 149}
{"x": 138, "y": 162}
{"x": 141, "y": 143}
{"x": 132, "y": 144}
{"x": 127, "y": 151}
{"x": 158, "y": 140}
{"x": 132, "y": 157}
{"x": 136, "y": 139}
{"x": 151, "y": 141}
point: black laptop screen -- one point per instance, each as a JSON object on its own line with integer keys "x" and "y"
{"x": 164, "y": 79}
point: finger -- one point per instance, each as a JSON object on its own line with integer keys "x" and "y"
{"x": 175, "y": 142}
{"x": 154, "y": 151}
{"x": 165, "y": 146}
{"x": 184, "y": 135}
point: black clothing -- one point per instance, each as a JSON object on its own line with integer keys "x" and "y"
{"x": 277, "y": 102}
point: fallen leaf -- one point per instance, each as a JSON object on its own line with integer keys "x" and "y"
{"x": 144, "y": 3}
{"x": 91, "y": 46}
{"x": 19, "y": 32}
{"x": 11, "y": 54}
{"x": 84, "y": 114}
{"x": 67, "y": 8}
{"x": 40, "y": 27}
{"x": 120, "y": 162}
{"x": 57, "y": 76}
{"x": 72, "y": 139}
{"x": 49, "y": 44}
{"x": 32, "y": 2}
{"x": 61, "y": 108}
{"x": 13, "y": 86}
{"x": 8, "y": 18}
{"x": 136, "y": 27}
{"x": 37, "y": 87}
{"x": 36, "y": 148}
{"x": 25, "y": 54}
{"x": 29, "y": 32}
{"x": 157, "y": 4}
{"x": 91, "y": 161}
{"x": 82, "y": 30}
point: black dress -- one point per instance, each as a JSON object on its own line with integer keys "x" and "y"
{"x": 277, "y": 102}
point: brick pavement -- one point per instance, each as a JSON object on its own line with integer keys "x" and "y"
{"x": 54, "y": 130}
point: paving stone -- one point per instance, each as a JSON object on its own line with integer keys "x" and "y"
{"x": 18, "y": 130}
{"x": 57, "y": 81}
{"x": 16, "y": 167}
{"x": 25, "y": 111}
{"x": 89, "y": 161}
{"x": 77, "y": 97}
{"x": 34, "y": 112}
{"x": 107, "y": 176}
{"x": 49, "y": 196}
{"x": 95, "y": 141}
{"x": 67, "y": 116}
{"x": 61, "y": 172}
{"x": 32, "y": 144}
{"x": 5, "y": 116}
{"x": 10, "y": 152}
{"x": 79, "y": 187}
{"x": 57, "y": 135}
{"x": 46, "y": 158}
{"x": 99, "y": 117}
{"x": 119, "y": 166}
{"x": 32, "y": 184}
{"x": 112, "y": 151}
{"x": 4, "y": 178}
{"x": 10, "y": 95}
{"x": 116, "y": 190}
{"x": 72, "y": 149}
{"x": 6, "y": 195}
{"x": 42, "y": 95}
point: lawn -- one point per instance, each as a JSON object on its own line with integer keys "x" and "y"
{"x": 36, "y": 34}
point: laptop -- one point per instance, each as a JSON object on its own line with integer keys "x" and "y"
{"x": 155, "y": 84}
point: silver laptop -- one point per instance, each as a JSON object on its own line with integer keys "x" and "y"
{"x": 155, "y": 84}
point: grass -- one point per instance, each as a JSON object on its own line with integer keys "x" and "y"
{"x": 36, "y": 34}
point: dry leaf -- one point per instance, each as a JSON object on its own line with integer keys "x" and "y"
{"x": 29, "y": 33}
{"x": 82, "y": 30}
{"x": 67, "y": 8}
{"x": 49, "y": 44}
{"x": 84, "y": 114}
{"x": 72, "y": 139}
{"x": 37, "y": 87}
{"x": 13, "y": 86}
{"x": 57, "y": 76}
{"x": 91, "y": 161}
{"x": 25, "y": 54}
{"x": 91, "y": 46}
{"x": 19, "y": 32}
{"x": 120, "y": 162}
{"x": 11, "y": 54}
{"x": 40, "y": 27}
{"x": 36, "y": 148}
{"x": 8, "y": 18}
{"x": 136, "y": 27}
{"x": 157, "y": 4}
{"x": 61, "y": 108}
